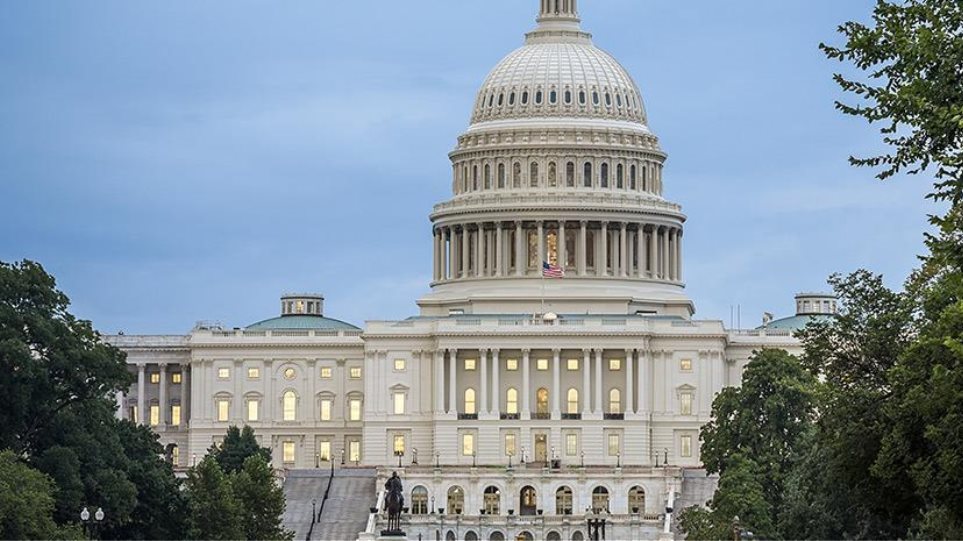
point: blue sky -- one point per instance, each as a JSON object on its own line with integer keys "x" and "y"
{"x": 177, "y": 161}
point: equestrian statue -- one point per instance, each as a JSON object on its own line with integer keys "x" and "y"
{"x": 394, "y": 504}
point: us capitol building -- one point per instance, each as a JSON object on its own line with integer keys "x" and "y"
{"x": 513, "y": 402}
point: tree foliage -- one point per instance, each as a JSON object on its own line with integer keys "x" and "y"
{"x": 26, "y": 501}
{"x": 262, "y": 499}
{"x": 237, "y": 447}
{"x": 214, "y": 509}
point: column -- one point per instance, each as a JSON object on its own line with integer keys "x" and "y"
{"x": 678, "y": 258}
{"x": 586, "y": 378}
{"x": 465, "y": 250}
{"x": 645, "y": 386}
{"x": 499, "y": 250}
{"x": 141, "y": 392}
{"x": 580, "y": 252}
{"x": 452, "y": 381}
{"x": 440, "y": 381}
{"x": 496, "y": 386}
{"x": 629, "y": 376}
{"x": 556, "y": 387}
{"x": 670, "y": 246}
{"x": 598, "y": 381}
{"x": 119, "y": 397}
{"x": 519, "y": 264}
{"x": 162, "y": 400}
{"x": 640, "y": 250}
{"x": 526, "y": 389}
{"x": 562, "y": 254}
{"x": 602, "y": 262}
{"x": 541, "y": 245}
{"x": 653, "y": 259}
{"x": 664, "y": 255}
{"x": 437, "y": 256}
{"x": 623, "y": 254}
{"x": 479, "y": 251}
{"x": 483, "y": 386}
{"x": 185, "y": 395}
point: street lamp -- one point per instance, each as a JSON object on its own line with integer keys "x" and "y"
{"x": 510, "y": 455}
{"x": 474, "y": 462}
{"x": 414, "y": 456}
{"x": 437, "y": 459}
{"x": 399, "y": 453}
{"x": 193, "y": 459}
{"x": 85, "y": 520}
{"x": 665, "y": 462}
{"x": 582, "y": 454}
{"x": 596, "y": 525}
{"x": 342, "y": 457}
{"x": 314, "y": 510}
{"x": 618, "y": 460}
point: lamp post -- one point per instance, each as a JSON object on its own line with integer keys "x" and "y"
{"x": 414, "y": 456}
{"x": 314, "y": 510}
{"x": 618, "y": 460}
{"x": 399, "y": 453}
{"x": 317, "y": 460}
{"x": 510, "y": 455}
{"x": 474, "y": 461}
{"x": 665, "y": 461}
{"x": 596, "y": 525}
{"x": 89, "y": 532}
{"x": 437, "y": 460}
{"x": 582, "y": 455}
{"x": 193, "y": 459}
{"x": 342, "y": 457}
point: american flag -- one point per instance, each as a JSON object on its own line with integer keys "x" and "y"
{"x": 552, "y": 271}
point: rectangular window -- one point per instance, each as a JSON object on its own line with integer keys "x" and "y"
{"x": 223, "y": 373}
{"x": 288, "y": 452}
{"x": 154, "y": 415}
{"x": 615, "y": 365}
{"x": 176, "y": 415}
{"x": 155, "y": 377}
{"x": 511, "y": 365}
{"x": 175, "y": 455}
{"x": 685, "y": 365}
{"x": 253, "y": 373}
{"x": 354, "y": 451}
{"x": 685, "y": 403}
{"x": 176, "y": 378}
{"x": 399, "y": 365}
{"x": 686, "y": 446}
{"x": 614, "y": 447}
{"x": 510, "y": 445}
{"x": 571, "y": 444}
{"x": 252, "y": 410}
{"x": 324, "y": 450}
{"x": 469, "y": 364}
{"x": 223, "y": 410}
{"x": 133, "y": 413}
{"x": 573, "y": 364}
{"x": 399, "y": 403}
{"x": 399, "y": 444}
{"x": 354, "y": 407}
{"x": 325, "y": 410}
{"x": 541, "y": 364}
{"x": 355, "y": 372}
{"x": 467, "y": 444}
{"x": 325, "y": 372}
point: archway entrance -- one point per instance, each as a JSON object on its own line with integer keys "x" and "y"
{"x": 527, "y": 501}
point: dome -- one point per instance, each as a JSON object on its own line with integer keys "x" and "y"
{"x": 305, "y": 322}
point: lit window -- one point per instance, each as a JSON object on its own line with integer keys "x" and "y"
{"x": 541, "y": 364}
{"x": 354, "y": 451}
{"x": 399, "y": 365}
{"x": 223, "y": 373}
{"x": 354, "y": 409}
{"x": 399, "y": 402}
{"x": 325, "y": 410}
{"x": 686, "y": 444}
{"x": 615, "y": 365}
{"x": 154, "y": 415}
{"x": 253, "y": 373}
{"x": 469, "y": 364}
{"x": 511, "y": 364}
{"x": 470, "y": 401}
{"x": 685, "y": 365}
{"x": 289, "y": 406}
{"x": 252, "y": 410}
{"x": 511, "y": 401}
{"x": 325, "y": 372}
{"x": 324, "y": 451}
{"x": 355, "y": 372}
{"x": 571, "y": 444}
{"x": 176, "y": 415}
{"x": 176, "y": 378}
{"x": 223, "y": 410}
{"x": 615, "y": 401}
{"x": 155, "y": 377}
{"x": 399, "y": 444}
{"x": 288, "y": 452}
{"x": 685, "y": 403}
{"x": 614, "y": 447}
{"x": 510, "y": 444}
{"x": 467, "y": 444}
{"x": 175, "y": 455}
{"x": 572, "y": 401}
{"x": 290, "y": 373}
{"x": 573, "y": 364}
{"x": 133, "y": 413}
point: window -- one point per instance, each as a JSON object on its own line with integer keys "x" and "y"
{"x": 176, "y": 415}
{"x": 600, "y": 499}
{"x": 608, "y": 99}
{"x": 686, "y": 446}
{"x": 587, "y": 175}
{"x": 538, "y": 97}
{"x": 685, "y": 403}
{"x": 470, "y": 364}
{"x": 492, "y": 498}
{"x": 176, "y": 378}
{"x": 223, "y": 409}
{"x": 604, "y": 178}
{"x": 572, "y": 401}
{"x": 517, "y": 175}
{"x": 399, "y": 403}
{"x": 399, "y": 365}
{"x": 355, "y": 372}
{"x": 553, "y": 97}
{"x": 133, "y": 413}
{"x": 619, "y": 176}
{"x": 456, "y": 500}
{"x": 324, "y": 451}
{"x": 154, "y": 415}
{"x": 637, "y": 500}
{"x": 354, "y": 451}
{"x": 252, "y": 373}
{"x": 614, "y": 447}
{"x": 467, "y": 444}
{"x": 175, "y": 455}
{"x": 685, "y": 365}
{"x": 501, "y": 175}
{"x": 632, "y": 181}
{"x": 325, "y": 372}
{"x": 399, "y": 444}
{"x": 511, "y": 401}
{"x": 511, "y": 442}
{"x": 563, "y": 501}
{"x": 615, "y": 401}
{"x": 533, "y": 175}
{"x": 419, "y": 495}
{"x": 488, "y": 176}
{"x": 287, "y": 450}
{"x": 541, "y": 401}
{"x": 570, "y": 175}
{"x": 289, "y": 406}
{"x": 155, "y": 377}
{"x": 552, "y": 175}
{"x": 581, "y": 97}
{"x": 223, "y": 373}
{"x": 290, "y": 373}
{"x": 571, "y": 444}
{"x": 354, "y": 409}
{"x": 511, "y": 99}
{"x": 252, "y": 410}
{"x": 470, "y": 401}
{"x": 511, "y": 365}
{"x": 595, "y": 99}
{"x": 326, "y": 409}
{"x": 541, "y": 364}
{"x": 525, "y": 97}
{"x": 615, "y": 365}
{"x": 573, "y": 364}
{"x": 568, "y": 97}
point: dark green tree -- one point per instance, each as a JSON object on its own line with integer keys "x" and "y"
{"x": 740, "y": 501}
{"x": 237, "y": 447}
{"x": 262, "y": 500}
{"x": 26, "y": 501}
{"x": 215, "y": 512}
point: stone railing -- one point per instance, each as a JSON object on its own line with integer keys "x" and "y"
{"x": 552, "y": 199}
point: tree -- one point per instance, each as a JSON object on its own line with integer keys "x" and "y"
{"x": 26, "y": 501}
{"x": 739, "y": 500}
{"x": 214, "y": 510}
{"x": 262, "y": 500}
{"x": 237, "y": 447}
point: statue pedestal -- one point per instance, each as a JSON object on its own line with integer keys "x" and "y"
{"x": 392, "y": 535}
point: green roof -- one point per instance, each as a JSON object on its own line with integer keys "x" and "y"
{"x": 301, "y": 322}
{"x": 796, "y": 323}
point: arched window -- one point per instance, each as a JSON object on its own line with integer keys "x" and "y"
{"x": 615, "y": 401}
{"x": 581, "y": 97}
{"x": 528, "y": 501}
{"x": 552, "y": 175}
{"x": 289, "y": 406}
{"x": 570, "y": 175}
{"x": 492, "y": 500}
{"x": 563, "y": 501}
{"x": 516, "y": 175}
{"x": 456, "y": 500}
{"x": 525, "y": 97}
{"x": 419, "y": 501}
{"x": 501, "y": 175}
{"x": 618, "y": 100}
{"x": 541, "y": 401}
{"x": 568, "y": 97}
{"x": 471, "y": 536}
{"x": 553, "y": 97}
{"x": 577, "y": 536}
{"x": 491, "y": 99}
{"x": 608, "y": 100}
{"x": 470, "y": 401}
{"x": 538, "y": 97}
{"x": 511, "y": 98}
{"x": 604, "y": 175}
{"x": 450, "y": 536}
{"x": 496, "y": 536}
{"x": 600, "y": 499}
{"x": 533, "y": 175}
{"x": 572, "y": 400}
{"x": 501, "y": 99}
{"x": 620, "y": 176}
{"x": 595, "y": 98}
{"x": 511, "y": 401}
{"x": 637, "y": 500}
{"x": 645, "y": 179}
{"x": 553, "y": 536}
{"x": 488, "y": 176}
{"x": 632, "y": 182}
{"x": 587, "y": 175}
{"x": 474, "y": 177}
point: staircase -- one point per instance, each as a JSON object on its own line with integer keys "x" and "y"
{"x": 353, "y": 492}
{"x": 300, "y": 487}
